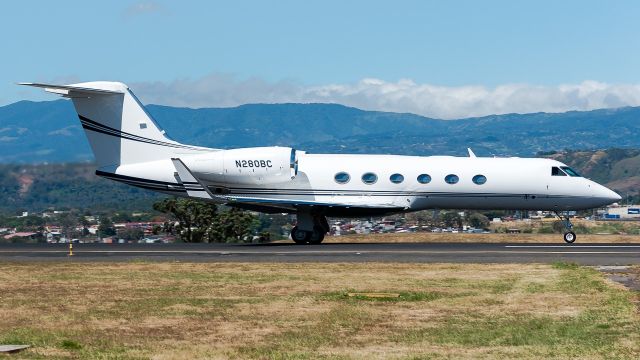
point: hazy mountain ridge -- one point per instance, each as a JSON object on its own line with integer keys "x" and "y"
{"x": 34, "y": 132}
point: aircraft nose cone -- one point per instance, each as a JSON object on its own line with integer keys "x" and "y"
{"x": 609, "y": 194}
{"x": 615, "y": 197}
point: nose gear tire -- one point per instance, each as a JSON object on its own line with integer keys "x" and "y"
{"x": 569, "y": 237}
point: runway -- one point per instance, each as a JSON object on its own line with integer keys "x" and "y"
{"x": 585, "y": 254}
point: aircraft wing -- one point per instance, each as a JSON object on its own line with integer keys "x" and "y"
{"x": 270, "y": 205}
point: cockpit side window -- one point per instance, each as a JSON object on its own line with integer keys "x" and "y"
{"x": 555, "y": 171}
{"x": 570, "y": 171}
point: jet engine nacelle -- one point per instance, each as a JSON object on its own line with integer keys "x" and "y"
{"x": 247, "y": 166}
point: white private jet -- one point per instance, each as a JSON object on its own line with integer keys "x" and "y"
{"x": 130, "y": 147}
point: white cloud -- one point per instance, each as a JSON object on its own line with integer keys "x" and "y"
{"x": 65, "y": 131}
{"x": 142, "y": 8}
{"x": 405, "y": 95}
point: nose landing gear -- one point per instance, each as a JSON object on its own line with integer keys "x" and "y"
{"x": 569, "y": 236}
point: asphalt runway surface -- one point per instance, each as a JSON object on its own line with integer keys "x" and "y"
{"x": 585, "y": 254}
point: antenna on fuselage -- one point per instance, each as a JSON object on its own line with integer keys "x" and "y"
{"x": 471, "y": 154}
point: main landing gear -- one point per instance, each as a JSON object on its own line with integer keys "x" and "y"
{"x": 310, "y": 229}
{"x": 569, "y": 236}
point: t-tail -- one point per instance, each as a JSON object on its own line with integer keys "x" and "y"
{"x": 119, "y": 129}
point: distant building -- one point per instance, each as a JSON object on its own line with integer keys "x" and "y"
{"x": 623, "y": 212}
{"x": 146, "y": 227}
{"x": 29, "y": 235}
{"x": 93, "y": 229}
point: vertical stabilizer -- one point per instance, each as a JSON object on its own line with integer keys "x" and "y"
{"x": 119, "y": 129}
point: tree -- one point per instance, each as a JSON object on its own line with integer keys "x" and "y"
{"x": 27, "y": 223}
{"x": 452, "y": 219}
{"x": 273, "y": 224}
{"x": 106, "y": 227}
{"x": 194, "y": 217}
{"x": 121, "y": 217}
{"x": 233, "y": 225}
{"x": 201, "y": 222}
{"x": 424, "y": 217}
{"x": 85, "y": 225}
{"x": 477, "y": 220}
{"x": 132, "y": 233}
{"x": 68, "y": 222}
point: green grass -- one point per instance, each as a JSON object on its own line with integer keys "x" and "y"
{"x": 337, "y": 327}
{"x": 362, "y": 296}
{"x": 304, "y": 311}
{"x": 70, "y": 345}
{"x": 563, "y": 265}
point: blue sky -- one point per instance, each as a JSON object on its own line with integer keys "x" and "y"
{"x": 438, "y": 58}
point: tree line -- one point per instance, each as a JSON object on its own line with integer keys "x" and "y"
{"x": 186, "y": 219}
{"x": 197, "y": 221}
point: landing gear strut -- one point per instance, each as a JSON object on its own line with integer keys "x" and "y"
{"x": 310, "y": 229}
{"x": 569, "y": 236}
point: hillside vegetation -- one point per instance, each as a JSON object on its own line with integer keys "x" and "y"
{"x": 63, "y": 186}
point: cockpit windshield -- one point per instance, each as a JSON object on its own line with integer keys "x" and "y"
{"x": 570, "y": 171}
{"x": 555, "y": 171}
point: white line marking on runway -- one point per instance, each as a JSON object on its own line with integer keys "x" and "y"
{"x": 572, "y": 246}
{"x": 316, "y": 252}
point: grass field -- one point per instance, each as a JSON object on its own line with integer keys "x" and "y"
{"x": 290, "y": 311}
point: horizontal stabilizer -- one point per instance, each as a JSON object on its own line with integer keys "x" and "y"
{"x": 74, "y": 90}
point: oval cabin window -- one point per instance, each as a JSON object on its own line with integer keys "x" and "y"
{"x": 396, "y": 178}
{"x": 479, "y": 179}
{"x": 424, "y": 178}
{"x": 342, "y": 178}
{"x": 451, "y": 179}
{"x": 369, "y": 178}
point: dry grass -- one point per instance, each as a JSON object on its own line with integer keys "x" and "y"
{"x": 428, "y": 237}
{"x": 187, "y": 311}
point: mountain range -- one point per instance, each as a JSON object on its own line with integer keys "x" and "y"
{"x": 37, "y": 132}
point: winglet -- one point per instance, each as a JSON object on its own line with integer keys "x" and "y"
{"x": 193, "y": 186}
{"x": 471, "y": 154}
